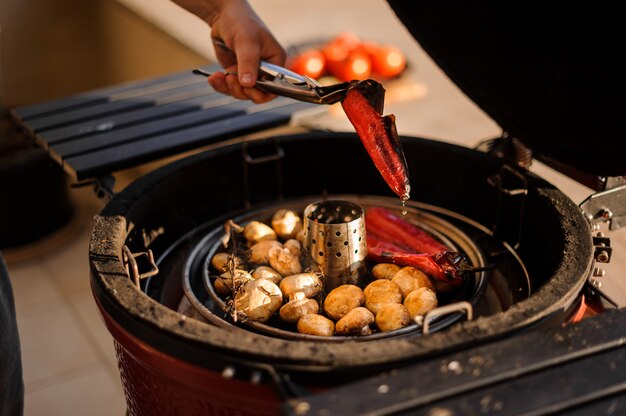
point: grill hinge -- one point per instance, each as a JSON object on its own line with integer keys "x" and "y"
{"x": 608, "y": 205}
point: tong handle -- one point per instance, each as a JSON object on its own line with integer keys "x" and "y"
{"x": 281, "y": 81}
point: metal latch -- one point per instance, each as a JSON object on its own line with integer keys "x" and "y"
{"x": 133, "y": 269}
{"x": 602, "y": 248}
{"x": 608, "y": 205}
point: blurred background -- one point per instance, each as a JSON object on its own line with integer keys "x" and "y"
{"x": 51, "y": 49}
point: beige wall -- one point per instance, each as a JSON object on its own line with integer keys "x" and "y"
{"x": 54, "y": 48}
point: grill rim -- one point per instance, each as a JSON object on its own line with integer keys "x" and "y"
{"x": 194, "y": 341}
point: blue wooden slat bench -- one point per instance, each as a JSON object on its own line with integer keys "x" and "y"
{"x": 96, "y": 133}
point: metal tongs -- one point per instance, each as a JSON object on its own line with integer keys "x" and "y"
{"x": 281, "y": 81}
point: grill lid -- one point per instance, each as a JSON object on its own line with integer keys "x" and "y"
{"x": 545, "y": 76}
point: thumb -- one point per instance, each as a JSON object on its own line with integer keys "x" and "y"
{"x": 248, "y": 57}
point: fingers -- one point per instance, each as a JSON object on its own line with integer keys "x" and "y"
{"x": 248, "y": 41}
{"x": 248, "y": 56}
{"x": 228, "y": 84}
{"x": 218, "y": 82}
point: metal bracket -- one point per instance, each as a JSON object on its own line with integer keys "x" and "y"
{"x": 608, "y": 205}
{"x": 103, "y": 186}
{"x": 132, "y": 269}
{"x": 513, "y": 188}
{"x": 256, "y": 177}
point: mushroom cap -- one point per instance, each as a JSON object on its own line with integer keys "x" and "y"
{"x": 294, "y": 247}
{"x": 265, "y": 272}
{"x": 297, "y": 308}
{"x": 385, "y": 270}
{"x": 409, "y": 279}
{"x": 256, "y": 231}
{"x": 259, "y": 252}
{"x": 300, "y": 236}
{"x": 380, "y": 292}
{"x": 225, "y": 284}
{"x": 392, "y": 316}
{"x": 286, "y": 223}
{"x": 312, "y": 324}
{"x": 284, "y": 262}
{"x": 308, "y": 283}
{"x": 342, "y": 300}
{"x": 219, "y": 261}
{"x": 355, "y": 322}
{"x": 258, "y": 300}
{"x": 420, "y": 301}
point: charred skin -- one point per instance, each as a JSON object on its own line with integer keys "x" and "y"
{"x": 407, "y": 245}
{"x": 384, "y": 222}
{"x": 384, "y": 252}
{"x": 363, "y": 105}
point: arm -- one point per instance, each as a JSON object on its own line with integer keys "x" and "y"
{"x": 242, "y": 30}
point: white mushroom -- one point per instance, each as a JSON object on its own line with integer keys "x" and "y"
{"x": 294, "y": 247}
{"x": 392, "y": 316}
{"x": 356, "y": 322}
{"x": 385, "y": 270}
{"x": 312, "y": 324}
{"x": 256, "y": 231}
{"x": 220, "y": 261}
{"x": 307, "y": 283}
{"x": 381, "y": 292}
{"x": 297, "y": 307}
{"x": 283, "y": 261}
{"x": 259, "y": 252}
{"x": 342, "y": 300}
{"x": 286, "y": 223}
{"x": 409, "y": 279}
{"x": 300, "y": 236}
{"x": 258, "y": 300}
{"x": 420, "y": 301}
{"x": 264, "y": 272}
{"x": 225, "y": 284}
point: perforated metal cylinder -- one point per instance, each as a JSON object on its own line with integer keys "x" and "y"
{"x": 334, "y": 237}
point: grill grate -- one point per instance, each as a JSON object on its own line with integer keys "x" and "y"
{"x": 98, "y": 132}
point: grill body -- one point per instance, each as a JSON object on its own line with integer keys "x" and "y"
{"x": 174, "y": 365}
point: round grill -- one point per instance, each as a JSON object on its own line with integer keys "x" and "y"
{"x": 170, "y": 212}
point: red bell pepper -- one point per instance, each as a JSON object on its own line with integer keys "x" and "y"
{"x": 405, "y": 244}
{"x": 383, "y": 222}
{"x": 363, "y": 105}
{"x": 383, "y": 251}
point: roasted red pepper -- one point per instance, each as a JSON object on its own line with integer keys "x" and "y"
{"x": 383, "y": 222}
{"x": 383, "y": 251}
{"x": 393, "y": 239}
{"x": 363, "y": 105}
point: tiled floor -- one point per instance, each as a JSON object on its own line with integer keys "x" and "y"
{"x": 67, "y": 354}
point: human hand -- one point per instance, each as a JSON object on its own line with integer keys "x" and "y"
{"x": 236, "y": 24}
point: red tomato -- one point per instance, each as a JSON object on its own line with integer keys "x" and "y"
{"x": 369, "y": 48}
{"x": 347, "y": 40}
{"x": 356, "y": 66}
{"x": 310, "y": 63}
{"x": 334, "y": 54}
{"x": 388, "y": 61}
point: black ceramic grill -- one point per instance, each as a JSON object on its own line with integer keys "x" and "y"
{"x": 98, "y": 132}
{"x": 171, "y": 365}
